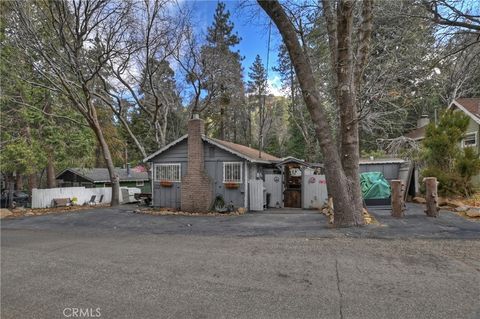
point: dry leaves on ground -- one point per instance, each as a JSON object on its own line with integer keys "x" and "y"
{"x": 172, "y": 211}
{"x": 20, "y": 212}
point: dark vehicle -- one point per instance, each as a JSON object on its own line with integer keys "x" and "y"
{"x": 20, "y": 199}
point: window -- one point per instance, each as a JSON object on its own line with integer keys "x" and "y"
{"x": 140, "y": 183}
{"x": 470, "y": 140}
{"x": 232, "y": 172}
{"x": 167, "y": 172}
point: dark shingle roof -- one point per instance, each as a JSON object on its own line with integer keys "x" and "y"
{"x": 100, "y": 175}
{"x": 472, "y": 105}
{"x": 417, "y": 134}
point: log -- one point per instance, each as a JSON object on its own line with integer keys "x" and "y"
{"x": 431, "y": 186}
{"x": 397, "y": 198}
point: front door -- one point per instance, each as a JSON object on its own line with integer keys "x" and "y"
{"x": 293, "y": 198}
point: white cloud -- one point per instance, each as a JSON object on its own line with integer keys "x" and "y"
{"x": 275, "y": 86}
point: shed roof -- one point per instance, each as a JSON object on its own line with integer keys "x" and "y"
{"x": 367, "y": 161}
{"x": 417, "y": 134}
{"x": 101, "y": 175}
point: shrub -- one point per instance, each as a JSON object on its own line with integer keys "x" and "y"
{"x": 444, "y": 159}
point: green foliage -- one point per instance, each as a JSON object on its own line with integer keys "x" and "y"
{"x": 468, "y": 165}
{"x": 21, "y": 158}
{"x": 220, "y": 33}
{"x": 444, "y": 159}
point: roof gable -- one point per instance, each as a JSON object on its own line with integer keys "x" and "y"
{"x": 470, "y": 106}
{"x": 242, "y": 151}
{"x": 163, "y": 149}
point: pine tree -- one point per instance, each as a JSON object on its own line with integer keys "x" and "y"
{"x": 224, "y": 71}
{"x": 445, "y": 159}
{"x": 220, "y": 33}
{"x": 258, "y": 87}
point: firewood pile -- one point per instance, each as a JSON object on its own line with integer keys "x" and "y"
{"x": 327, "y": 210}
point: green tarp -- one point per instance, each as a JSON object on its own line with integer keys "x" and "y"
{"x": 374, "y": 186}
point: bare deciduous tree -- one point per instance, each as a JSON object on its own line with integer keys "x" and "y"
{"x": 142, "y": 69}
{"x": 70, "y": 43}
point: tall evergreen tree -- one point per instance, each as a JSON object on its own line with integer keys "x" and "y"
{"x": 257, "y": 86}
{"x": 224, "y": 74}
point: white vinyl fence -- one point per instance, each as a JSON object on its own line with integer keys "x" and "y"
{"x": 256, "y": 191}
{"x": 314, "y": 191}
{"x": 43, "y": 198}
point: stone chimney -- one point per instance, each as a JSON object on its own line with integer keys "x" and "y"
{"x": 423, "y": 121}
{"x": 196, "y": 188}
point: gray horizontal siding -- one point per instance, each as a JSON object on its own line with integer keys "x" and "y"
{"x": 214, "y": 158}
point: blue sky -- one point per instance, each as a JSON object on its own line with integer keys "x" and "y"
{"x": 251, "y": 24}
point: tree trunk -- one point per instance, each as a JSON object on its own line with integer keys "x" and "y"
{"x": 19, "y": 182}
{"x": 222, "y": 121}
{"x": 431, "y": 196}
{"x": 11, "y": 189}
{"x": 346, "y": 101}
{"x": 397, "y": 198}
{"x": 51, "y": 181}
{"x": 344, "y": 188}
{"x": 95, "y": 125}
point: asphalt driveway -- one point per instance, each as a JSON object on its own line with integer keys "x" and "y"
{"x": 275, "y": 222}
{"x": 269, "y": 265}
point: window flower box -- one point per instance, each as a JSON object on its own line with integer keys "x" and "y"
{"x": 231, "y": 185}
{"x": 166, "y": 183}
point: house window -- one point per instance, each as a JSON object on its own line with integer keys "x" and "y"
{"x": 167, "y": 172}
{"x": 470, "y": 140}
{"x": 232, "y": 172}
{"x": 140, "y": 183}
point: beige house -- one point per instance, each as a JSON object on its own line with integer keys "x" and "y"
{"x": 469, "y": 106}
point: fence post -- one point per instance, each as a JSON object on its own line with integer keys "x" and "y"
{"x": 431, "y": 187}
{"x": 397, "y": 198}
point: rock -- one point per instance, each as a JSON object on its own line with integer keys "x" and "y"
{"x": 473, "y": 212}
{"x": 442, "y": 201}
{"x": 29, "y": 214}
{"x": 461, "y": 208}
{"x": 419, "y": 200}
{"x": 455, "y": 203}
{"x": 5, "y": 213}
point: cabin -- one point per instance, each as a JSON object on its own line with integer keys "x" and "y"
{"x": 99, "y": 177}
{"x": 191, "y": 172}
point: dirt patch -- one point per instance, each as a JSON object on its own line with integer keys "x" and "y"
{"x": 171, "y": 211}
{"x": 21, "y": 212}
